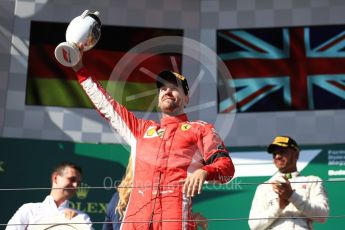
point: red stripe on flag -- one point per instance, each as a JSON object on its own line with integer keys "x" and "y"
{"x": 42, "y": 63}
{"x": 237, "y": 38}
{"x": 337, "y": 84}
{"x": 323, "y": 48}
{"x": 248, "y": 99}
{"x": 254, "y": 95}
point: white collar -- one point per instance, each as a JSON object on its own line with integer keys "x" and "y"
{"x": 280, "y": 175}
{"x": 49, "y": 200}
{"x": 293, "y": 174}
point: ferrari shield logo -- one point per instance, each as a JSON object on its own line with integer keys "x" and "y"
{"x": 185, "y": 127}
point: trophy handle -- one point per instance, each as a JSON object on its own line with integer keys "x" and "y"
{"x": 84, "y": 14}
{"x": 87, "y": 12}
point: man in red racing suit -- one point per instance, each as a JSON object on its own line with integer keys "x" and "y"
{"x": 171, "y": 159}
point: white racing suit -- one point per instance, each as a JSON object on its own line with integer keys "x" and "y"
{"x": 308, "y": 200}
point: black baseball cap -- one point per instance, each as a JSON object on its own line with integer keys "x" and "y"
{"x": 173, "y": 77}
{"x": 282, "y": 142}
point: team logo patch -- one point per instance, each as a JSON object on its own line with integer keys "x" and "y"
{"x": 185, "y": 127}
{"x": 179, "y": 76}
{"x": 151, "y": 132}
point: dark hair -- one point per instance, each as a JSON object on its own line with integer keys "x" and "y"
{"x": 61, "y": 167}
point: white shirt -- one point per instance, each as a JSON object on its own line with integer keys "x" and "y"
{"x": 32, "y": 213}
{"x": 308, "y": 199}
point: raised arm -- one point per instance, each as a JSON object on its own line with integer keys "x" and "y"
{"x": 123, "y": 121}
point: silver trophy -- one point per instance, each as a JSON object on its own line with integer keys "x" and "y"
{"x": 84, "y": 29}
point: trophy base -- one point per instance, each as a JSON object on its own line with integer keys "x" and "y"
{"x": 67, "y": 54}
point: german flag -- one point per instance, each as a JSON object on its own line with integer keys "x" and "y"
{"x": 51, "y": 84}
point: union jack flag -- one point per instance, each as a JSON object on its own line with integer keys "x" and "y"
{"x": 280, "y": 69}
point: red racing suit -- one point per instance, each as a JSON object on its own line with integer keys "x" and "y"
{"x": 163, "y": 154}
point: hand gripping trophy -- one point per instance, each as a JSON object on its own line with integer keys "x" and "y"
{"x": 85, "y": 29}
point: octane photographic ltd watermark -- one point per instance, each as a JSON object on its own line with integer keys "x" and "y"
{"x": 234, "y": 185}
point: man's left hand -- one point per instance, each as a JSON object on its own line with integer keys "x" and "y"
{"x": 284, "y": 190}
{"x": 70, "y": 213}
{"x": 193, "y": 183}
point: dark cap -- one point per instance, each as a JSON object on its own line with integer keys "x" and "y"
{"x": 282, "y": 142}
{"x": 173, "y": 77}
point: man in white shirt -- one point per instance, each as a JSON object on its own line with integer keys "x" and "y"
{"x": 65, "y": 179}
{"x": 288, "y": 200}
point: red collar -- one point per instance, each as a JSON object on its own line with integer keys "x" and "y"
{"x": 174, "y": 119}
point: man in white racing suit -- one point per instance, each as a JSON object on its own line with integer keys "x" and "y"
{"x": 65, "y": 179}
{"x": 288, "y": 200}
